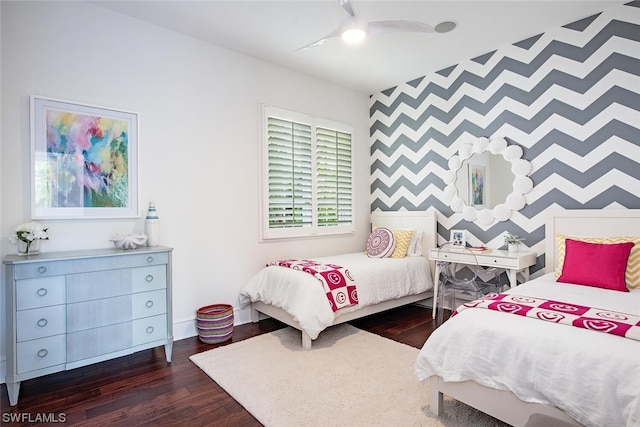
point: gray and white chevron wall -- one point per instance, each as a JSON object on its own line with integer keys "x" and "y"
{"x": 569, "y": 97}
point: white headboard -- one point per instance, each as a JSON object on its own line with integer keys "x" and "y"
{"x": 588, "y": 223}
{"x": 426, "y": 221}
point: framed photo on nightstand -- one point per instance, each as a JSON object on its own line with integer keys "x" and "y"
{"x": 458, "y": 239}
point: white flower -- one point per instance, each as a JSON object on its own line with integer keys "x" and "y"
{"x": 28, "y": 232}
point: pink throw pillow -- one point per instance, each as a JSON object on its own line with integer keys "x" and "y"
{"x": 596, "y": 264}
{"x": 380, "y": 243}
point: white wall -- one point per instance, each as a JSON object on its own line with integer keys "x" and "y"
{"x": 199, "y": 135}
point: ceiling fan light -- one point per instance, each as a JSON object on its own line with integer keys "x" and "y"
{"x": 353, "y": 35}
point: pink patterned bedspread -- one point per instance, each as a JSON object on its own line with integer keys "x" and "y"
{"x": 596, "y": 319}
{"x": 338, "y": 284}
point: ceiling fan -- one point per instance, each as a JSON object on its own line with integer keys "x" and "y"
{"x": 353, "y": 30}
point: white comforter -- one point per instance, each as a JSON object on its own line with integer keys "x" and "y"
{"x": 592, "y": 376}
{"x": 302, "y": 296}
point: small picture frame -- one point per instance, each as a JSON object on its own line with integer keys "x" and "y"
{"x": 458, "y": 238}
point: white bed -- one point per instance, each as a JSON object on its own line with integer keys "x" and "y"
{"x": 294, "y": 297}
{"x": 512, "y": 367}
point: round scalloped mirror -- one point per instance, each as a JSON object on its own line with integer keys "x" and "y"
{"x": 476, "y": 179}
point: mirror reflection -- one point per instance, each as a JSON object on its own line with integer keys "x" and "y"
{"x": 484, "y": 180}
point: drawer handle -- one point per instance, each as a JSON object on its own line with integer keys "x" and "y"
{"x": 149, "y": 304}
{"x": 42, "y": 269}
{"x": 41, "y": 292}
{"x": 150, "y": 259}
{"x": 43, "y": 353}
{"x": 149, "y": 329}
{"x": 42, "y": 323}
{"x": 149, "y": 278}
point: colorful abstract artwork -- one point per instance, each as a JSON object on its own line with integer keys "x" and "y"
{"x": 84, "y": 161}
{"x": 477, "y": 183}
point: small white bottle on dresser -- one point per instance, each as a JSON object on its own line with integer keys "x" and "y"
{"x": 152, "y": 225}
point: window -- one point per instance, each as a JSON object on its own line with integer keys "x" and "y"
{"x": 307, "y": 175}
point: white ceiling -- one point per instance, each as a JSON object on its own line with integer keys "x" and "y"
{"x": 272, "y": 30}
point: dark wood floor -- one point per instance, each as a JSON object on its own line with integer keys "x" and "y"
{"x": 142, "y": 389}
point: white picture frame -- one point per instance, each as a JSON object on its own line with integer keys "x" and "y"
{"x": 84, "y": 161}
{"x": 458, "y": 238}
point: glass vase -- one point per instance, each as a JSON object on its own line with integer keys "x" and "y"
{"x": 28, "y": 248}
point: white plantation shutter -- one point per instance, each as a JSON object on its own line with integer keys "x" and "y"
{"x": 290, "y": 173}
{"x": 307, "y": 164}
{"x": 333, "y": 160}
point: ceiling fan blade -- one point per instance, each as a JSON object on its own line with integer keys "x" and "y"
{"x": 346, "y": 5}
{"x": 379, "y": 27}
{"x": 323, "y": 40}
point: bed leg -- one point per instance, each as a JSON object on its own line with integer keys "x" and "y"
{"x": 255, "y": 315}
{"x": 306, "y": 341}
{"x": 436, "y": 398}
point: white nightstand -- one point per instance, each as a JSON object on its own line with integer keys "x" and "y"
{"x": 512, "y": 262}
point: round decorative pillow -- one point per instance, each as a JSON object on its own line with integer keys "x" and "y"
{"x": 380, "y": 243}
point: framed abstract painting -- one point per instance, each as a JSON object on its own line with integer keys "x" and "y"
{"x": 84, "y": 161}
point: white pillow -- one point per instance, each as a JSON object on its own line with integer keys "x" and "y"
{"x": 415, "y": 247}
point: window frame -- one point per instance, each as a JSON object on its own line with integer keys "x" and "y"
{"x": 314, "y": 230}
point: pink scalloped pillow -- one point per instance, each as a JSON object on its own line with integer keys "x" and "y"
{"x": 596, "y": 264}
{"x": 380, "y": 243}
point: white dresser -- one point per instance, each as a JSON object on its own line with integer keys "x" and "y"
{"x": 70, "y": 309}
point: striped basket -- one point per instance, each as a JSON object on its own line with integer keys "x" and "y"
{"x": 215, "y": 323}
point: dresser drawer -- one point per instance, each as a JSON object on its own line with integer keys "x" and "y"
{"x": 86, "y": 264}
{"x": 149, "y": 329}
{"x": 149, "y": 278}
{"x": 98, "y": 341}
{"x": 98, "y": 313}
{"x": 498, "y": 262}
{"x": 149, "y": 303}
{"x": 40, "y": 322}
{"x": 40, "y": 353}
{"x": 33, "y": 293}
{"x": 97, "y": 285}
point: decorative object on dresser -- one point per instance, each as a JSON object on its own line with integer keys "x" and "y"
{"x": 152, "y": 225}
{"x": 28, "y": 236}
{"x": 70, "y": 309}
{"x": 128, "y": 241}
{"x": 84, "y": 161}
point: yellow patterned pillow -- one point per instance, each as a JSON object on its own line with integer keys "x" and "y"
{"x": 632, "y": 274}
{"x": 403, "y": 238}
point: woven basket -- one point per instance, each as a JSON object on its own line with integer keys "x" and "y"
{"x": 215, "y": 323}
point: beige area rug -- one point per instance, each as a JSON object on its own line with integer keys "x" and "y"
{"x": 349, "y": 378}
